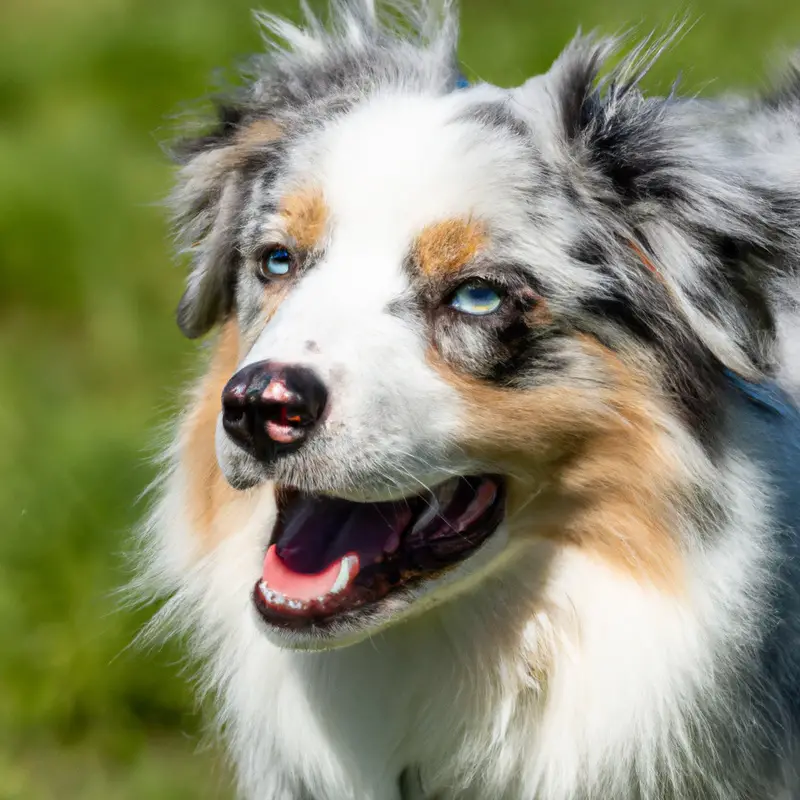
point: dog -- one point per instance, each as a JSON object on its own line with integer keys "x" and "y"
{"x": 488, "y": 488}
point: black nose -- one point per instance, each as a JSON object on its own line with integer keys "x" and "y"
{"x": 269, "y": 408}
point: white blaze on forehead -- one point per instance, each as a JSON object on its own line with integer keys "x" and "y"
{"x": 386, "y": 170}
{"x": 400, "y": 163}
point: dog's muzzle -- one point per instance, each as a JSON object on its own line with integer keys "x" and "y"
{"x": 270, "y": 408}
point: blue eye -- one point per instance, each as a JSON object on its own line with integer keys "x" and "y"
{"x": 476, "y": 298}
{"x": 276, "y": 262}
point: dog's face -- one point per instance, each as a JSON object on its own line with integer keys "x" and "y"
{"x": 377, "y": 261}
{"x": 387, "y": 277}
{"x": 443, "y": 337}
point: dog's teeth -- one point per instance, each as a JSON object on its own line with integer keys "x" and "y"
{"x": 427, "y": 516}
{"x": 445, "y": 493}
{"x": 349, "y": 563}
{"x": 277, "y": 599}
{"x": 266, "y": 592}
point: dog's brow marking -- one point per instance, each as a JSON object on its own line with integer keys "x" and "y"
{"x": 305, "y": 214}
{"x": 245, "y": 144}
{"x": 261, "y": 131}
{"x": 447, "y": 246}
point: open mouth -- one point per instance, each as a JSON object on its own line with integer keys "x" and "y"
{"x": 330, "y": 556}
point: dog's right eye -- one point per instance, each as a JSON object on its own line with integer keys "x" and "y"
{"x": 476, "y": 298}
{"x": 276, "y": 262}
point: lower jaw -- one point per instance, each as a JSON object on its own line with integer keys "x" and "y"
{"x": 342, "y": 630}
{"x": 400, "y": 609}
{"x": 370, "y": 616}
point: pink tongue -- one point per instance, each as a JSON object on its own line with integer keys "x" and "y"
{"x": 297, "y": 585}
{"x": 323, "y": 542}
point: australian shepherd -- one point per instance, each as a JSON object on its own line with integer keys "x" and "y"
{"x": 489, "y": 490}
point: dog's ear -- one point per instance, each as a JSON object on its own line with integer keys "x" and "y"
{"x": 205, "y": 210}
{"x": 207, "y": 203}
{"x": 667, "y": 181}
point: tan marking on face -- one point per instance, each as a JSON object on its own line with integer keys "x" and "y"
{"x": 305, "y": 215}
{"x": 224, "y": 160}
{"x": 446, "y": 247}
{"x": 262, "y": 131}
{"x": 588, "y": 467}
{"x": 215, "y": 508}
{"x": 274, "y": 294}
{"x": 539, "y": 314}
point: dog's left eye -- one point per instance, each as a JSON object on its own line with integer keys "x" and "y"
{"x": 277, "y": 262}
{"x": 476, "y": 298}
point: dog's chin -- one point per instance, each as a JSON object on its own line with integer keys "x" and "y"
{"x": 337, "y": 571}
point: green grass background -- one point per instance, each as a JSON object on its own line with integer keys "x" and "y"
{"x": 90, "y": 358}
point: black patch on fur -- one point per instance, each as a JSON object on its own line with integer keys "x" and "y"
{"x": 526, "y": 353}
{"x": 629, "y": 154}
{"x": 191, "y": 325}
{"x": 694, "y": 380}
{"x": 746, "y": 280}
{"x": 578, "y": 99}
{"x": 500, "y": 117}
{"x": 734, "y": 284}
{"x": 589, "y": 251}
{"x": 570, "y": 191}
{"x": 616, "y": 308}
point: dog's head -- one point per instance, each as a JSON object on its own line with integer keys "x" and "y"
{"x": 455, "y": 320}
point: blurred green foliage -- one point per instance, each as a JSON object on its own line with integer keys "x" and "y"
{"x": 90, "y": 360}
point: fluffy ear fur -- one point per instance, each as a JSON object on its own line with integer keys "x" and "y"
{"x": 689, "y": 198}
{"x": 207, "y": 203}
